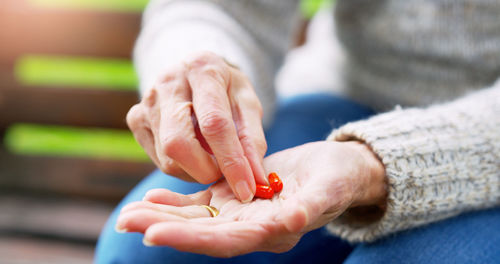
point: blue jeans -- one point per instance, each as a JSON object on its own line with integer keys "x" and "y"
{"x": 470, "y": 238}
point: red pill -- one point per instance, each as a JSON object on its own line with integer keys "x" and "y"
{"x": 275, "y": 182}
{"x": 264, "y": 191}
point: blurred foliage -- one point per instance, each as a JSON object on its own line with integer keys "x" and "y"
{"x": 94, "y": 143}
{"x": 70, "y": 72}
{"x": 134, "y": 6}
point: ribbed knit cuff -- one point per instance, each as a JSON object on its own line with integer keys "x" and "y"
{"x": 439, "y": 162}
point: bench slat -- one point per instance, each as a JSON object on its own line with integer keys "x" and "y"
{"x": 26, "y": 29}
{"x": 96, "y": 179}
{"x": 62, "y": 106}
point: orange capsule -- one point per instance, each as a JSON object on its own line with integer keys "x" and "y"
{"x": 275, "y": 182}
{"x": 264, "y": 191}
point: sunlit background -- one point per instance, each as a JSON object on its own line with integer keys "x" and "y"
{"x": 66, "y": 156}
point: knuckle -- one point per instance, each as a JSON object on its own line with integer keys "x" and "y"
{"x": 261, "y": 145}
{"x": 214, "y": 124}
{"x": 168, "y": 166}
{"x": 238, "y": 76}
{"x": 171, "y": 145}
{"x": 256, "y": 142}
{"x": 172, "y": 74}
{"x": 149, "y": 100}
{"x": 201, "y": 58}
{"x": 134, "y": 117}
{"x": 174, "y": 89}
{"x": 244, "y": 137}
{"x": 213, "y": 71}
{"x": 172, "y": 83}
{"x": 209, "y": 176}
{"x": 253, "y": 139}
{"x": 210, "y": 65}
{"x": 231, "y": 164}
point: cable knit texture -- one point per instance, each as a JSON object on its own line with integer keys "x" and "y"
{"x": 435, "y": 58}
{"x": 440, "y": 161}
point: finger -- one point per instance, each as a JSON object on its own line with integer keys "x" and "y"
{"x": 164, "y": 196}
{"x": 219, "y": 240}
{"x": 190, "y": 211}
{"x": 140, "y": 119}
{"x": 209, "y": 79}
{"x": 307, "y": 208}
{"x": 247, "y": 113}
{"x": 140, "y": 127}
{"x": 139, "y": 220}
{"x": 176, "y": 133}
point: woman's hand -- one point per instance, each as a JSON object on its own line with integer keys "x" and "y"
{"x": 321, "y": 180}
{"x": 200, "y": 107}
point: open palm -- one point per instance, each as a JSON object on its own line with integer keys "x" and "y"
{"x": 319, "y": 183}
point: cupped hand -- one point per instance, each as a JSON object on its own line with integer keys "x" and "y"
{"x": 203, "y": 120}
{"x": 321, "y": 180}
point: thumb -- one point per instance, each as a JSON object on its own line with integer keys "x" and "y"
{"x": 312, "y": 207}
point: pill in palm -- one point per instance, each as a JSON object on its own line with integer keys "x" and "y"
{"x": 264, "y": 191}
{"x": 268, "y": 191}
{"x": 275, "y": 182}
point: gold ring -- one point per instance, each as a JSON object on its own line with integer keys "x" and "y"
{"x": 213, "y": 211}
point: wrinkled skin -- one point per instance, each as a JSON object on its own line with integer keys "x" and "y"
{"x": 321, "y": 180}
{"x": 202, "y": 106}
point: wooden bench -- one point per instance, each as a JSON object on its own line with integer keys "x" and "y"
{"x": 32, "y": 30}
{"x": 53, "y": 207}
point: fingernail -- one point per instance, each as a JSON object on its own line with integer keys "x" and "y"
{"x": 121, "y": 230}
{"x": 244, "y": 192}
{"x": 148, "y": 243}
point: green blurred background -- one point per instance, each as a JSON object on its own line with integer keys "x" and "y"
{"x": 64, "y": 71}
{"x": 76, "y": 72}
{"x": 66, "y": 155}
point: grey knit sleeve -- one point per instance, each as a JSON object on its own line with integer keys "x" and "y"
{"x": 440, "y": 161}
{"x": 251, "y": 34}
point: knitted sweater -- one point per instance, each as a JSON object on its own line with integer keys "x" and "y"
{"x": 430, "y": 66}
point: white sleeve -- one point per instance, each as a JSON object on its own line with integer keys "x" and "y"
{"x": 253, "y": 35}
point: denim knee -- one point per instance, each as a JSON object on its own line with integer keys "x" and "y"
{"x": 469, "y": 238}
